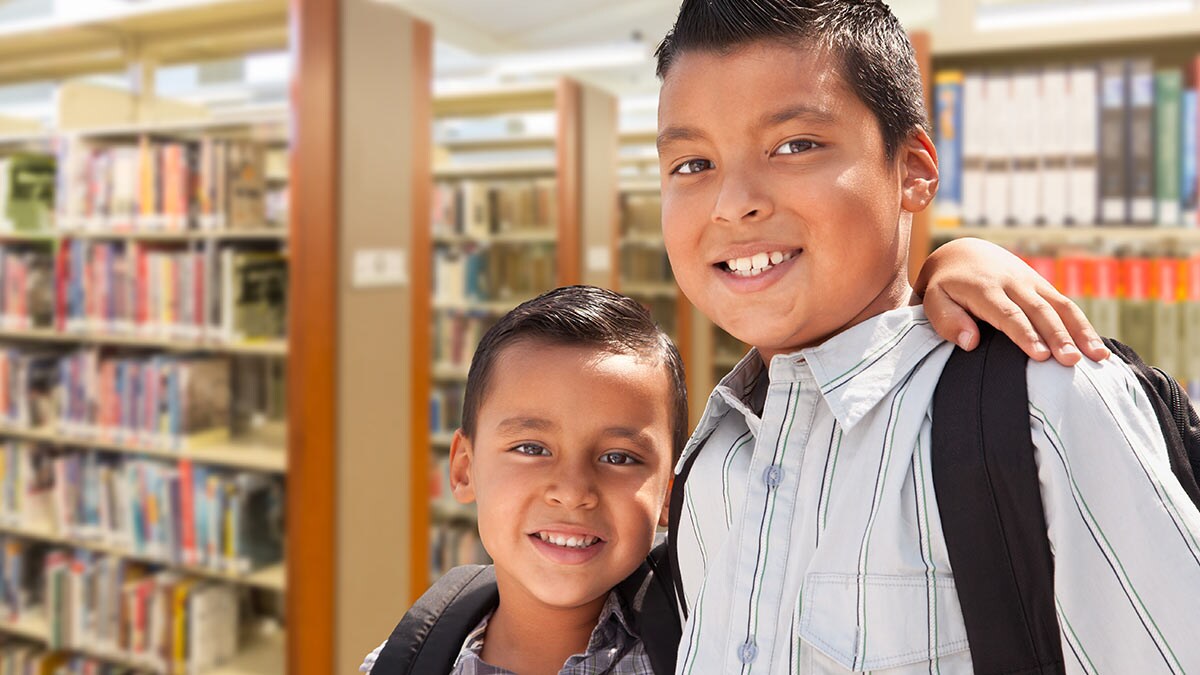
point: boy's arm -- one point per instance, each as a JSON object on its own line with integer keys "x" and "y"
{"x": 1125, "y": 536}
{"x": 989, "y": 282}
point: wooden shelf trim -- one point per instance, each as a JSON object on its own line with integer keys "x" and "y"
{"x": 255, "y": 234}
{"x": 273, "y": 577}
{"x": 530, "y": 236}
{"x": 1104, "y": 233}
{"x": 234, "y": 454}
{"x": 262, "y": 657}
{"x": 277, "y": 348}
{"x": 496, "y": 170}
{"x": 183, "y": 30}
{"x": 495, "y": 102}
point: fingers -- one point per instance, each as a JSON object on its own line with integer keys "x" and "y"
{"x": 1082, "y": 331}
{"x": 1010, "y": 318}
{"x": 1048, "y": 323}
{"x": 950, "y": 320}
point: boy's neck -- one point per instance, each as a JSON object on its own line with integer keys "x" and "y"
{"x": 896, "y": 295}
{"x": 526, "y": 636}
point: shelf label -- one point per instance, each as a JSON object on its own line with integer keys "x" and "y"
{"x": 380, "y": 268}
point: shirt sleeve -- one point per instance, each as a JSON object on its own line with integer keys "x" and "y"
{"x": 1125, "y": 536}
{"x": 369, "y": 662}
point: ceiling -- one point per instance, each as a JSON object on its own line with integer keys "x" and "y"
{"x": 473, "y": 34}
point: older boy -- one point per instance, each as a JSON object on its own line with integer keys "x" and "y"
{"x": 793, "y": 156}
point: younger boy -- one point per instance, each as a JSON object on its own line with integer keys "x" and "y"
{"x": 575, "y": 410}
{"x": 793, "y": 153}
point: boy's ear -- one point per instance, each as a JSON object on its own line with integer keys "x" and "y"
{"x": 460, "y": 468}
{"x": 918, "y": 172}
{"x": 664, "y": 516}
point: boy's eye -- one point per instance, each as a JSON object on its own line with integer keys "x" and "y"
{"x": 693, "y": 167}
{"x": 618, "y": 458}
{"x": 794, "y": 147}
{"x": 531, "y": 450}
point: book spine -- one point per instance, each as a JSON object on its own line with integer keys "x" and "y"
{"x": 948, "y": 112}
{"x": 1169, "y": 145}
{"x": 1114, "y": 143}
{"x": 1142, "y": 191}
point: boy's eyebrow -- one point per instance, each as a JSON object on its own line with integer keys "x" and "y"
{"x": 671, "y": 134}
{"x": 515, "y": 424}
{"x": 797, "y": 112}
{"x": 636, "y": 436}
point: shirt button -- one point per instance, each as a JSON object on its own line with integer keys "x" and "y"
{"x": 773, "y": 476}
{"x": 748, "y": 652}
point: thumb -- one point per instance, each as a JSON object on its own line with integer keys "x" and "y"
{"x": 950, "y": 320}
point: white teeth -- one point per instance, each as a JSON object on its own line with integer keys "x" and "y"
{"x": 757, "y": 263}
{"x": 567, "y": 542}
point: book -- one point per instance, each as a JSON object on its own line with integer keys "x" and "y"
{"x": 27, "y": 198}
{"x": 1168, "y": 149}
{"x": 1026, "y": 150}
{"x": 1054, "y": 140}
{"x": 948, "y": 122}
{"x": 1141, "y": 143}
{"x": 1115, "y": 155}
{"x": 1137, "y": 307}
{"x": 998, "y": 144}
{"x": 1083, "y": 145}
{"x": 1189, "y": 177}
{"x": 975, "y": 148}
{"x": 259, "y": 296}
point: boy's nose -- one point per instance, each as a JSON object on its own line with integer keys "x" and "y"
{"x": 572, "y": 490}
{"x": 740, "y": 199}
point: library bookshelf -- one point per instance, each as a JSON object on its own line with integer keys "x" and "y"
{"x": 514, "y": 212}
{"x": 300, "y": 447}
{"x": 1096, "y": 187}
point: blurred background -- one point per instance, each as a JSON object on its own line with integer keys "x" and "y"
{"x": 247, "y": 248}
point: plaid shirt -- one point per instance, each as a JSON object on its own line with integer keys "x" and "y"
{"x": 613, "y": 649}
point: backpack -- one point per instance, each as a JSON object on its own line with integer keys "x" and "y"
{"x": 989, "y": 498}
{"x": 431, "y": 634}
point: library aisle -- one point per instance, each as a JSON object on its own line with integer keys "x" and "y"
{"x": 247, "y": 249}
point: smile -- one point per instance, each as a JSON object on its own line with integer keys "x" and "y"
{"x": 573, "y": 541}
{"x": 758, "y": 263}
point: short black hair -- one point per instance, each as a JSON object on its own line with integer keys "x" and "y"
{"x": 580, "y": 315}
{"x": 877, "y": 60}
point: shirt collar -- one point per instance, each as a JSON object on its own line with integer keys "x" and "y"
{"x": 612, "y": 630}
{"x": 853, "y": 370}
{"x": 856, "y": 369}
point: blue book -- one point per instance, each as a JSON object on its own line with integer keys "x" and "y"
{"x": 1188, "y": 192}
{"x": 948, "y": 130}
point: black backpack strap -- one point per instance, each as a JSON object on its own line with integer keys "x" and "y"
{"x": 675, "y": 513}
{"x": 1176, "y": 417}
{"x": 431, "y": 634}
{"x": 649, "y": 595}
{"x": 986, "y": 482}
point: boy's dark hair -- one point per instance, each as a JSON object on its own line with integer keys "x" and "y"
{"x": 877, "y": 60}
{"x": 580, "y": 315}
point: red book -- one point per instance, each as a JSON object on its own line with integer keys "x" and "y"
{"x": 1044, "y": 265}
{"x": 187, "y": 512}
{"x": 1072, "y": 276}
{"x": 1135, "y": 279}
{"x": 1164, "y": 285}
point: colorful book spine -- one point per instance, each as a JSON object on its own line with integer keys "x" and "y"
{"x": 948, "y": 112}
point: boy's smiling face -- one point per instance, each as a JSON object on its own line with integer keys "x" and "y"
{"x": 570, "y": 466}
{"x": 784, "y": 220}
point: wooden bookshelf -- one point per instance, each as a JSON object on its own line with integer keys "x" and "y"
{"x": 142, "y": 37}
{"x": 580, "y": 160}
{"x": 186, "y": 30}
{"x": 218, "y": 450}
{"x": 274, "y": 348}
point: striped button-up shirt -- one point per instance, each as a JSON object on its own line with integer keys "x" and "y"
{"x": 810, "y": 540}
{"x": 612, "y": 649}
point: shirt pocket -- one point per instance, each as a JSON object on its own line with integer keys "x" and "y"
{"x": 884, "y": 621}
